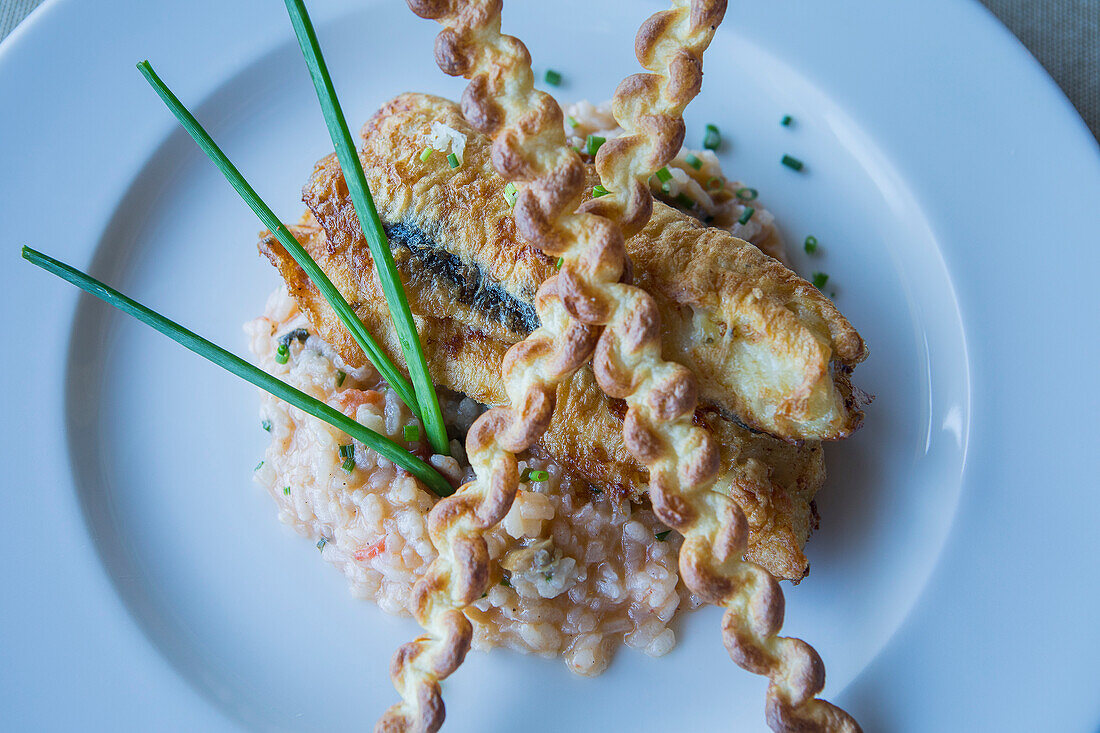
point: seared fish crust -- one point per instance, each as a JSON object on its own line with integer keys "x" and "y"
{"x": 766, "y": 346}
{"x": 470, "y": 282}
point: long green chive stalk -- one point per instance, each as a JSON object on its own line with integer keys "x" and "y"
{"x": 233, "y": 363}
{"x": 431, "y": 415}
{"x": 359, "y": 332}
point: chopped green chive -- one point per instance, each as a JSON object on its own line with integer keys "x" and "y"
{"x": 786, "y": 121}
{"x": 561, "y": 261}
{"x": 662, "y": 536}
{"x": 282, "y": 354}
{"x": 321, "y": 544}
{"x": 592, "y": 143}
{"x": 347, "y": 451}
{"x": 572, "y": 121}
{"x": 746, "y": 215}
{"x": 819, "y": 280}
{"x": 747, "y": 194}
{"x": 258, "y": 466}
{"x": 286, "y": 491}
{"x": 810, "y": 245}
{"x": 249, "y": 372}
{"x": 505, "y": 582}
{"x": 529, "y": 475}
{"x": 552, "y": 77}
{"x": 370, "y": 347}
{"x": 341, "y": 375}
{"x": 684, "y": 200}
{"x": 453, "y": 160}
{"x": 348, "y": 465}
{"x": 510, "y": 193}
{"x": 793, "y": 163}
{"x": 693, "y": 161}
{"x": 712, "y": 138}
{"x": 431, "y": 416}
{"x": 412, "y": 433}
{"x": 663, "y": 175}
{"x": 425, "y": 154}
{"x": 598, "y": 191}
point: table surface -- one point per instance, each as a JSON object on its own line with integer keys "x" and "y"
{"x": 1064, "y": 35}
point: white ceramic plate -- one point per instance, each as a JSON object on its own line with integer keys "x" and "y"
{"x": 146, "y": 580}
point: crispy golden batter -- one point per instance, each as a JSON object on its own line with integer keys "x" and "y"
{"x": 773, "y": 480}
{"x": 766, "y": 346}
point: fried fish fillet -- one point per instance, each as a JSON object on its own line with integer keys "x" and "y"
{"x": 766, "y": 346}
{"x": 774, "y": 481}
{"x": 470, "y": 283}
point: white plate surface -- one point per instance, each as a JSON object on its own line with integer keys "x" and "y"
{"x": 148, "y": 582}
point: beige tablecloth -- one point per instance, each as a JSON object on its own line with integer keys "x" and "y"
{"x": 1063, "y": 34}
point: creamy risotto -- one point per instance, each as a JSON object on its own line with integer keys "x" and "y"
{"x": 579, "y": 572}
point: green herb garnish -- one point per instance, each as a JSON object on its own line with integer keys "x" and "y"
{"x": 793, "y": 163}
{"x": 810, "y": 245}
{"x": 693, "y": 161}
{"x": 282, "y": 354}
{"x": 598, "y": 191}
{"x": 505, "y": 582}
{"x": 453, "y": 160}
{"x": 663, "y": 175}
{"x": 425, "y": 154}
{"x": 819, "y": 280}
{"x": 684, "y": 200}
{"x": 347, "y": 451}
{"x": 536, "y": 475}
{"x": 366, "y": 342}
{"x": 321, "y": 544}
{"x": 746, "y": 215}
{"x": 571, "y": 121}
{"x": 510, "y": 193}
{"x": 662, "y": 536}
{"x": 786, "y": 121}
{"x": 286, "y": 491}
{"x": 712, "y": 138}
{"x": 430, "y": 414}
{"x": 561, "y": 261}
{"x": 348, "y": 465}
{"x": 747, "y": 194}
{"x": 341, "y": 375}
{"x": 412, "y": 433}
{"x": 258, "y": 466}
{"x": 592, "y": 143}
{"x": 233, "y": 363}
{"x": 552, "y": 77}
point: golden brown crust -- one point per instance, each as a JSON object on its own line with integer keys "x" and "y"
{"x": 764, "y": 344}
{"x": 774, "y": 481}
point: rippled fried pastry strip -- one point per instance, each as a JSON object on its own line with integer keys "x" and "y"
{"x": 682, "y": 457}
{"x": 528, "y": 148}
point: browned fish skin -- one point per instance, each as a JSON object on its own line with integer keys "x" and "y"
{"x": 470, "y": 282}
{"x": 765, "y": 344}
{"x": 774, "y": 481}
